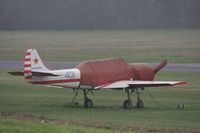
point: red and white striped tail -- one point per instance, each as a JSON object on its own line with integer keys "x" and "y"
{"x": 32, "y": 62}
{"x": 27, "y": 65}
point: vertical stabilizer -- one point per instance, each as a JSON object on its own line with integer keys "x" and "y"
{"x": 32, "y": 62}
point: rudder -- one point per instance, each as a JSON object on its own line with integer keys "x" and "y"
{"x": 32, "y": 62}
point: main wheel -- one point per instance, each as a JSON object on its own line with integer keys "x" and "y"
{"x": 88, "y": 103}
{"x": 127, "y": 104}
{"x": 140, "y": 103}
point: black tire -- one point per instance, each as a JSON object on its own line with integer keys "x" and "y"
{"x": 127, "y": 104}
{"x": 140, "y": 103}
{"x": 88, "y": 103}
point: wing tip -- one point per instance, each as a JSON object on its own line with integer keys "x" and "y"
{"x": 181, "y": 83}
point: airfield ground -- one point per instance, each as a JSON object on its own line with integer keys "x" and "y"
{"x": 19, "y": 99}
{"x": 133, "y": 45}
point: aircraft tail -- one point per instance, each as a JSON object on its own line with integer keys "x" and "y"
{"x": 32, "y": 63}
{"x": 160, "y": 66}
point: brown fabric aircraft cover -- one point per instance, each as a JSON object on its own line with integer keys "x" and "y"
{"x": 99, "y": 72}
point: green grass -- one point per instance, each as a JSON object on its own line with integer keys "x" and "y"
{"x": 19, "y": 126}
{"x": 17, "y": 96}
{"x": 133, "y": 45}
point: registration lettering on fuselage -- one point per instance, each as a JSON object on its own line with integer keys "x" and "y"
{"x": 70, "y": 75}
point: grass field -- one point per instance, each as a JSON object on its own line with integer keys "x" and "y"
{"x": 107, "y": 114}
{"x": 19, "y": 126}
{"x": 133, "y": 45}
{"x": 17, "y": 96}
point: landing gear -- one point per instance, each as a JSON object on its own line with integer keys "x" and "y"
{"x": 140, "y": 103}
{"x": 76, "y": 94}
{"x": 128, "y": 103}
{"x": 87, "y": 102}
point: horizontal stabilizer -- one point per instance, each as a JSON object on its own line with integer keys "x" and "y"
{"x": 42, "y": 73}
{"x": 17, "y": 73}
{"x": 34, "y": 73}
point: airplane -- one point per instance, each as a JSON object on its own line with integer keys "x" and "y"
{"x": 91, "y": 75}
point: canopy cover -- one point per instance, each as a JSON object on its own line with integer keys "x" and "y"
{"x": 99, "y": 72}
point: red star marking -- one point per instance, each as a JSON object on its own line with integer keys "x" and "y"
{"x": 36, "y": 60}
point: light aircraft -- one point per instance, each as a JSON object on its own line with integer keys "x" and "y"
{"x": 93, "y": 75}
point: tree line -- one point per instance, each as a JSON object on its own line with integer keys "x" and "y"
{"x": 98, "y": 14}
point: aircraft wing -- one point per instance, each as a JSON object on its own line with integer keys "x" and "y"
{"x": 138, "y": 84}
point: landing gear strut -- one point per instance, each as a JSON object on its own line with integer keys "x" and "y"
{"x": 76, "y": 94}
{"x": 87, "y": 102}
{"x": 140, "y": 103}
{"x": 128, "y": 103}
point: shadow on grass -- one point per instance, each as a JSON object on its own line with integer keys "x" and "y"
{"x": 117, "y": 108}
